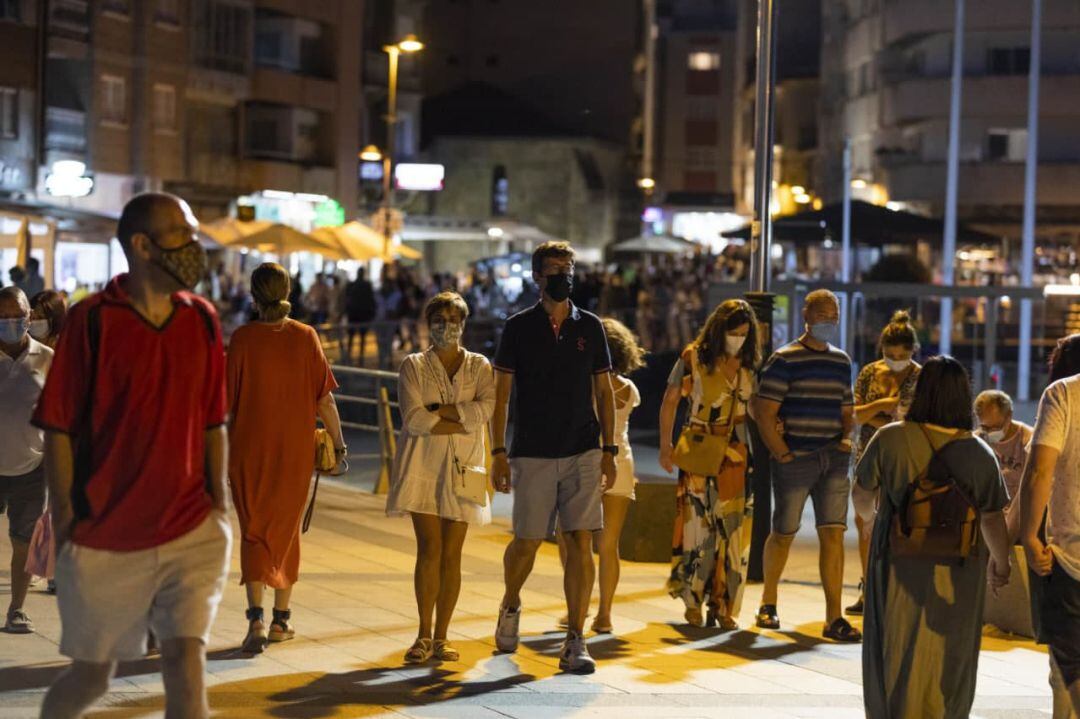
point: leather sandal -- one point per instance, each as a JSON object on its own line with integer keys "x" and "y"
{"x": 256, "y": 640}
{"x": 442, "y": 650}
{"x": 419, "y": 652}
{"x": 767, "y": 617}
{"x": 842, "y": 631}
{"x": 280, "y": 629}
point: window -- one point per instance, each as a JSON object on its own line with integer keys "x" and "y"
{"x": 1008, "y": 60}
{"x": 118, "y": 7}
{"x": 1006, "y": 145}
{"x": 167, "y": 12}
{"x": 500, "y": 192}
{"x": 9, "y": 9}
{"x": 702, "y": 108}
{"x": 9, "y": 113}
{"x": 164, "y": 108}
{"x": 222, "y": 35}
{"x": 702, "y": 157}
{"x": 113, "y": 99}
{"x": 703, "y": 60}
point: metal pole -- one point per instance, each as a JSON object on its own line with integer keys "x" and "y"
{"x": 948, "y": 250}
{"x": 760, "y": 263}
{"x": 1027, "y": 250}
{"x": 845, "y": 245}
{"x": 388, "y": 157}
{"x": 649, "y": 109}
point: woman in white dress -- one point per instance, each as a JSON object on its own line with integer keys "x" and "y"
{"x": 447, "y": 396}
{"x": 626, "y": 357}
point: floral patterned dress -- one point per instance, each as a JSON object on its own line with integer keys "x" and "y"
{"x": 713, "y": 514}
{"x": 869, "y": 387}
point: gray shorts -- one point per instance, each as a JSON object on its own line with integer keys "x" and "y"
{"x": 821, "y": 476}
{"x": 24, "y": 498}
{"x": 567, "y": 489}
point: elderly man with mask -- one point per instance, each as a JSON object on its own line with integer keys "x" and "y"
{"x": 1009, "y": 439}
{"x": 24, "y": 362}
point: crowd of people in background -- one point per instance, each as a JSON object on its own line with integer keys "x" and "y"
{"x": 128, "y": 492}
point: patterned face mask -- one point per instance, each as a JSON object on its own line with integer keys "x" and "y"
{"x": 445, "y": 334}
{"x": 187, "y": 264}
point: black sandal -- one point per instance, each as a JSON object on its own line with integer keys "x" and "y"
{"x": 280, "y": 629}
{"x": 767, "y": 617}
{"x": 256, "y": 639}
{"x": 842, "y": 631}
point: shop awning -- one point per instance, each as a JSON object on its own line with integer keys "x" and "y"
{"x": 266, "y": 236}
{"x": 870, "y": 225}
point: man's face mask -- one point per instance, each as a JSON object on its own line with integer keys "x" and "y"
{"x": 186, "y": 264}
{"x": 558, "y": 286}
{"x": 12, "y": 331}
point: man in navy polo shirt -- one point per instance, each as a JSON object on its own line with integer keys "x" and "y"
{"x": 135, "y": 457}
{"x": 557, "y": 355}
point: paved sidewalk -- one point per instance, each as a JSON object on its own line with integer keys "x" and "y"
{"x": 354, "y": 613}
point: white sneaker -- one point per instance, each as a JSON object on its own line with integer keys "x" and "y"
{"x": 506, "y": 631}
{"x": 575, "y": 656}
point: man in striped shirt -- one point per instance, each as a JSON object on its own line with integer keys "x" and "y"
{"x": 805, "y": 412}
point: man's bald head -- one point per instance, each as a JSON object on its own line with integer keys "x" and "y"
{"x": 149, "y": 213}
{"x": 13, "y": 303}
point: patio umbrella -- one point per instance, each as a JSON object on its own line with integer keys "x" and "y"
{"x": 357, "y": 241}
{"x": 267, "y": 236}
{"x": 655, "y": 245}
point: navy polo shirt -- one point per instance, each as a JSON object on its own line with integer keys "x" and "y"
{"x": 553, "y": 368}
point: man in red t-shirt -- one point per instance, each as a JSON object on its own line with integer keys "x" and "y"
{"x": 135, "y": 457}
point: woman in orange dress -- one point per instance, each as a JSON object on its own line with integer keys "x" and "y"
{"x": 278, "y": 382}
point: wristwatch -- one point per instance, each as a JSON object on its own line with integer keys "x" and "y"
{"x": 497, "y": 451}
{"x": 612, "y": 449}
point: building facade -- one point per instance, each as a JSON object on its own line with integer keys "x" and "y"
{"x": 886, "y": 85}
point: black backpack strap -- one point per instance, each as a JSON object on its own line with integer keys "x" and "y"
{"x": 84, "y": 436}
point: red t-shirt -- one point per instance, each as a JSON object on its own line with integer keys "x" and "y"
{"x": 156, "y": 392}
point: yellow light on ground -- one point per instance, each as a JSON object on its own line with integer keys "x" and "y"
{"x": 859, "y": 184}
{"x": 646, "y": 183}
{"x": 370, "y": 154}
{"x": 410, "y": 44}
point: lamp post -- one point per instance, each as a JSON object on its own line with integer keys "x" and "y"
{"x": 409, "y": 44}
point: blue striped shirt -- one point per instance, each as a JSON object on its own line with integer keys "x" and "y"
{"x": 812, "y": 388}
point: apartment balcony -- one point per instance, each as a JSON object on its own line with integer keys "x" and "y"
{"x": 261, "y": 174}
{"x": 70, "y": 20}
{"x": 919, "y": 99}
{"x": 983, "y": 183}
{"x": 907, "y": 20}
{"x": 287, "y": 133}
{"x": 286, "y": 88}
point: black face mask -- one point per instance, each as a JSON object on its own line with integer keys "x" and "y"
{"x": 559, "y": 286}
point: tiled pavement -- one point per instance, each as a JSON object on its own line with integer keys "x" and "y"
{"x": 354, "y": 612}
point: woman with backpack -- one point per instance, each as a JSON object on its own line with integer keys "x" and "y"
{"x": 939, "y": 497}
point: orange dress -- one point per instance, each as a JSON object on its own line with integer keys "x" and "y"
{"x": 276, "y": 375}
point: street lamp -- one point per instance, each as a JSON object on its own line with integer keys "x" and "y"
{"x": 371, "y": 154}
{"x": 409, "y": 44}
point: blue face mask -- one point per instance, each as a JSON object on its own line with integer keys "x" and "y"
{"x": 825, "y": 331}
{"x": 12, "y": 331}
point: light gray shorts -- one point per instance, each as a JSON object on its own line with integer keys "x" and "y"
{"x": 108, "y": 600}
{"x": 567, "y": 489}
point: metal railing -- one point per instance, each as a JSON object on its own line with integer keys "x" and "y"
{"x": 379, "y": 403}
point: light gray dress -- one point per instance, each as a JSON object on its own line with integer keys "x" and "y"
{"x": 923, "y": 622}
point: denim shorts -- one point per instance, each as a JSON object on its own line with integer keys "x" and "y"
{"x": 823, "y": 477}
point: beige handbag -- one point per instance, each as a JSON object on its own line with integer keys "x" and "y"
{"x": 699, "y": 451}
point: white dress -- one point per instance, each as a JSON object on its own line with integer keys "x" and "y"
{"x": 422, "y": 477}
{"x": 624, "y": 460}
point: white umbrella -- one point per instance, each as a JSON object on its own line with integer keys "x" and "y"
{"x": 360, "y": 242}
{"x": 655, "y": 245}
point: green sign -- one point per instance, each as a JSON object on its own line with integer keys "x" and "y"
{"x": 329, "y": 214}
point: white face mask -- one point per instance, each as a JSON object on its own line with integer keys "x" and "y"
{"x": 897, "y": 365}
{"x": 996, "y": 436}
{"x": 733, "y": 344}
{"x": 39, "y": 329}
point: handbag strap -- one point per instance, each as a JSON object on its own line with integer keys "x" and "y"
{"x": 695, "y": 370}
{"x": 310, "y": 508}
